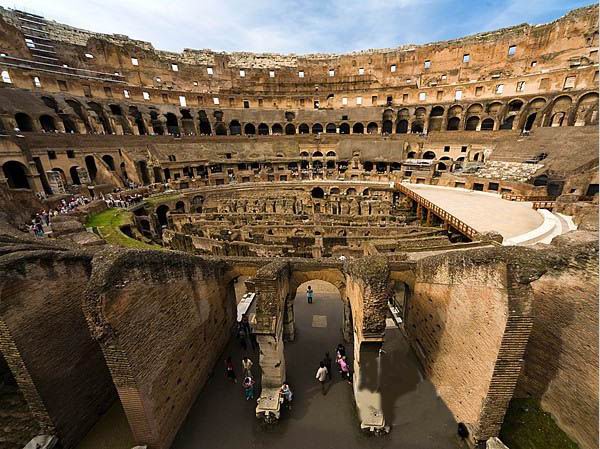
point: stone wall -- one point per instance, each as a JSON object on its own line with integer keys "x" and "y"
{"x": 45, "y": 340}
{"x": 162, "y": 321}
{"x": 561, "y": 366}
{"x": 467, "y": 337}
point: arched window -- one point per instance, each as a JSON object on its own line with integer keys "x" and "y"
{"x": 277, "y": 129}
{"x": 220, "y": 129}
{"x": 235, "y": 129}
{"x": 290, "y": 129}
{"x": 487, "y": 124}
{"x": 303, "y": 129}
{"x": 344, "y": 128}
{"x": 429, "y": 155}
{"x": 47, "y": 123}
{"x": 249, "y": 129}
{"x": 161, "y": 213}
{"x": 204, "y": 123}
{"x": 530, "y": 121}
{"x": 24, "y": 122}
{"x": 387, "y": 127}
{"x": 108, "y": 159}
{"x": 317, "y": 192}
{"x": 331, "y": 128}
{"x": 453, "y": 124}
{"x": 263, "y": 129}
{"x": 16, "y": 175}
{"x": 472, "y": 123}
{"x": 402, "y": 127}
{"x": 372, "y": 128}
{"x": 317, "y": 128}
{"x": 75, "y": 175}
{"x": 90, "y": 164}
{"x": 416, "y": 128}
{"x": 358, "y": 128}
{"x": 508, "y": 122}
{"x": 172, "y": 123}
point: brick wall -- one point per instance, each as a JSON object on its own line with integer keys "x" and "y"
{"x": 45, "y": 340}
{"x": 561, "y": 360}
{"x": 162, "y": 321}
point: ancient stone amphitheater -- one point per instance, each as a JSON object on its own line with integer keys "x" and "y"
{"x": 447, "y": 193}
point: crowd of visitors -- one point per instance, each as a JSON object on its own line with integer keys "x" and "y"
{"x": 44, "y": 217}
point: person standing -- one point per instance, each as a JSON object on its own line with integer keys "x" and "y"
{"x": 344, "y": 369}
{"x": 229, "y": 370}
{"x": 286, "y": 395}
{"x": 309, "y": 294}
{"x": 247, "y": 366}
{"x": 248, "y": 387}
{"x": 322, "y": 376}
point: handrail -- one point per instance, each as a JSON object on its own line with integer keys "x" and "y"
{"x": 514, "y": 197}
{"x": 544, "y": 205}
{"x": 456, "y": 223}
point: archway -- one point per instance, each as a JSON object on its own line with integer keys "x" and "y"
{"x": 317, "y": 128}
{"x": 317, "y": 192}
{"x": 109, "y": 161}
{"x": 204, "y": 126}
{"x": 172, "y": 124}
{"x": 358, "y": 128}
{"x": 372, "y": 128}
{"x": 277, "y": 129}
{"x": 344, "y": 128}
{"x": 74, "y": 175}
{"x": 530, "y": 121}
{"x": 16, "y": 175}
{"x": 249, "y": 129}
{"x": 429, "y": 155}
{"x": 90, "y": 164}
{"x": 235, "y": 129}
{"x": 387, "y": 127}
{"x": 47, "y": 124}
{"x": 472, "y": 123}
{"x": 221, "y": 129}
{"x": 402, "y": 127}
{"x": 290, "y": 129}
{"x": 24, "y": 122}
{"x": 453, "y": 124}
{"x": 487, "y": 124}
{"x": 303, "y": 129}
{"x": 331, "y": 128}
{"x": 263, "y": 129}
{"x": 161, "y": 214}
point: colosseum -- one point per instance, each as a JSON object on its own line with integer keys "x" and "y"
{"x": 187, "y": 238}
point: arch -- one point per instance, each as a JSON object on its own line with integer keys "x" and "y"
{"x": 317, "y": 154}
{"x": 372, "y": 128}
{"x": 479, "y": 157}
{"x": 402, "y": 127}
{"x": 139, "y": 120}
{"x": 508, "y": 122}
{"x": 180, "y": 207}
{"x": 436, "y": 118}
{"x": 515, "y": 105}
{"x": 157, "y": 126}
{"x": 47, "y": 124}
{"x": 441, "y": 166}
{"x": 16, "y": 174}
{"x": 235, "y": 129}
{"x": 411, "y": 155}
{"x": 204, "y": 123}
{"x": 487, "y": 124}
{"x": 429, "y": 155}
{"x": 249, "y": 129}
{"x": 78, "y": 108}
{"x": 557, "y": 119}
{"x": 330, "y": 153}
{"x": 494, "y": 107}
{"x": 437, "y": 111}
{"x": 387, "y": 127}
{"x": 330, "y": 128}
{"x": 358, "y": 128}
{"x": 351, "y": 191}
{"x": 263, "y": 129}
{"x": 334, "y": 191}
{"x": 277, "y": 129}
{"x": 317, "y": 128}
{"x": 172, "y": 123}
{"x": 75, "y": 175}
{"x": 317, "y": 192}
{"x": 221, "y": 129}
{"x": 475, "y": 108}
{"x": 90, "y": 164}
{"x": 104, "y": 122}
{"x": 69, "y": 125}
{"x": 530, "y": 121}
{"x": 472, "y": 123}
{"x": 344, "y": 128}
{"x": 453, "y": 124}
{"x": 109, "y": 161}
{"x": 24, "y": 122}
{"x": 161, "y": 214}
{"x": 303, "y": 129}
{"x": 290, "y": 129}
{"x": 587, "y": 110}
{"x": 416, "y": 128}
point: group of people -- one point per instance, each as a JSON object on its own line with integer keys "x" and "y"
{"x": 248, "y": 382}
{"x": 44, "y": 217}
{"x": 324, "y": 371}
{"x": 123, "y": 202}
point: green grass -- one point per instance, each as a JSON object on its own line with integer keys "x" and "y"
{"x": 108, "y": 224}
{"x": 527, "y": 426}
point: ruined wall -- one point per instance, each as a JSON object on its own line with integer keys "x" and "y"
{"x": 162, "y": 321}
{"x": 561, "y": 366}
{"x": 46, "y": 342}
{"x": 467, "y": 337}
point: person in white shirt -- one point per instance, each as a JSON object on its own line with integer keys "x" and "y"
{"x": 322, "y": 376}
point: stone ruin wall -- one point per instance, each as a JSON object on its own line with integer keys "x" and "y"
{"x": 162, "y": 321}
{"x": 561, "y": 367}
{"x": 45, "y": 339}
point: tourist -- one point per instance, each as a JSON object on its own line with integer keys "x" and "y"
{"x": 309, "y": 294}
{"x": 340, "y": 351}
{"x": 344, "y": 368}
{"x": 327, "y": 363}
{"x": 247, "y": 366}
{"x": 248, "y": 387}
{"x": 286, "y": 395}
{"x": 229, "y": 370}
{"x": 321, "y": 376}
{"x": 242, "y": 338}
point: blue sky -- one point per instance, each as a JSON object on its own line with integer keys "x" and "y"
{"x": 294, "y": 26}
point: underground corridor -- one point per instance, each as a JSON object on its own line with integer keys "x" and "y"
{"x": 417, "y": 416}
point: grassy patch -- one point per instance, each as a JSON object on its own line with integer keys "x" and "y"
{"x": 108, "y": 223}
{"x": 527, "y": 426}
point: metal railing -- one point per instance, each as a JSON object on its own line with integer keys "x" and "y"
{"x": 513, "y": 197}
{"x": 447, "y": 217}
